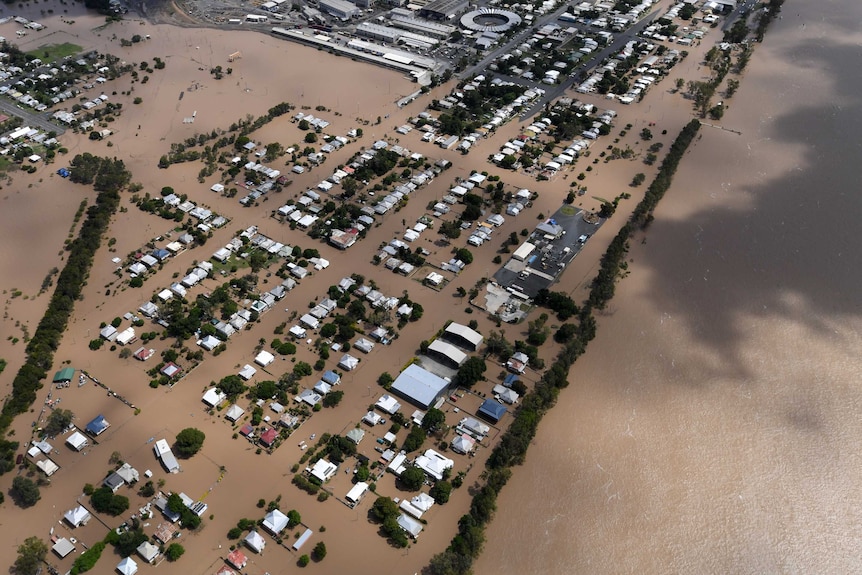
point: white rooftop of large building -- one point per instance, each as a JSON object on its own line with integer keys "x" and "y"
{"x": 419, "y": 386}
{"x": 463, "y": 332}
{"x": 449, "y": 351}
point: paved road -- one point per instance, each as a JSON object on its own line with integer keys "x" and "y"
{"x": 620, "y": 40}
{"x": 516, "y": 40}
{"x": 32, "y": 119}
{"x": 553, "y": 92}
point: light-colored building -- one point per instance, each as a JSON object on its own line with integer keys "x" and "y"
{"x": 356, "y": 493}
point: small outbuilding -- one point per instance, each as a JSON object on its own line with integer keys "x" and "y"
{"x": 127, "y": 566}
{"x": 264, "y": 358}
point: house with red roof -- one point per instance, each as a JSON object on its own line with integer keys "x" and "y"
{"x": 237, "y": 558}
{"x": 268, "y": 436}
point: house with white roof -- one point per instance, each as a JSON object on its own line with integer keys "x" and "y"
{"x": 433, "y": 464}
{"x": 388, "y": 404}
{"x": 255, "y": 541}
{"x": 323, "y": 470}
{"x": 275, "y": 522}
{"x": 77, "y": 516}
{"x": 234, "y": 412}
{"x": 418, "y": 505}
{"x": 354, "y": 496}
{"x": 213, "y": 397}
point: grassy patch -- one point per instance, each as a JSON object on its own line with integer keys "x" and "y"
{"x": 53, "y": 52}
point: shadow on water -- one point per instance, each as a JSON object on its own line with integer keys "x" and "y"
{"x": 793, "y": 252}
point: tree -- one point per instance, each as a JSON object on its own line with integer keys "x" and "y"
{"x": 103, "y": 500}
{"x": 231, "y": 385}
{"x": 464, "y": 255}
{"x": 414, "y": 439}
{"x": 293, "y": 518}
{"x": 257, "y": 261}
{"x": 301, "y": 369}
{"x": 471, "y": 213}
{"x": 189, "y": 441}
{"x": 732, "y": 87}
{"x": 174, "y": 551}
{"x": 384, "y": 507}
{"x": 310, "y": 138}
{"x": 319, "y": 551}
{"x": 441, "y": 491}
{"x": 497, "y": 344}
{"x": 434, "y": 419}
{"x": 128, "y": 541}
{"x": 58, "y": 421}
{"x": 31, "y": 554}
{"x": 24, "y": 491}
{"x": 385, "y": 380}
{"x": 265, "y": 389}
{"x": 333, "y": 398}
{"x": 646, "y": 134}
{"x": 565, "y": 333}
{"x": 412, "y": 478}
{"x": 470, "y": 372}
{"x": 303, "y": 561}
{"x": 328, "y": 330}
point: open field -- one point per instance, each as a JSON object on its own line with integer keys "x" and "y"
{"x": 53, "y": 52}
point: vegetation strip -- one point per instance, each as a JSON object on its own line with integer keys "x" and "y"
{"x": 465, "y": 547}
{"x": 108, "y": 177}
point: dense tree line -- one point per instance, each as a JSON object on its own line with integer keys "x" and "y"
{"x": 766, "y": 16}
{"x": 458, "y": 558}
{"x": 614, "y": 258}
{"x": 108, "y": 177}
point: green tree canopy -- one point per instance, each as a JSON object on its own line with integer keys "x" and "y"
{"x": 189, "y": 441}
{"x": 441, "y": 491}
{"x": 434, "y": 419}
{"x": 31, "y": 553}
{"x": 58, "y": 421}
{"x": 104, "y": 500}
{"x": 24, "y": 491}
{"x": 412, "y": 478}
{"x": 174, "y": 551}
{"x": 470, "y": 372}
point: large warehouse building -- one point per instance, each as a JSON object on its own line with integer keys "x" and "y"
{"x": 420, "y": 387}
{"x": 446, "y": 353}
{"x": 443, "y": 9}
{"x": 339, "y": 8}
{"x": 463, "y": 336}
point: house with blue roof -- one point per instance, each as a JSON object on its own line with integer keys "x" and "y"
{"x": 98, "y": 425}
{"x": 492, "y": 410}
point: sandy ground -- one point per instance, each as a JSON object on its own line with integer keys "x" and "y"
{"x": 270, "y": 71}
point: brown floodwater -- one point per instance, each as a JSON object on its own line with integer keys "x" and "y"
{"x": 713, "y": 425}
